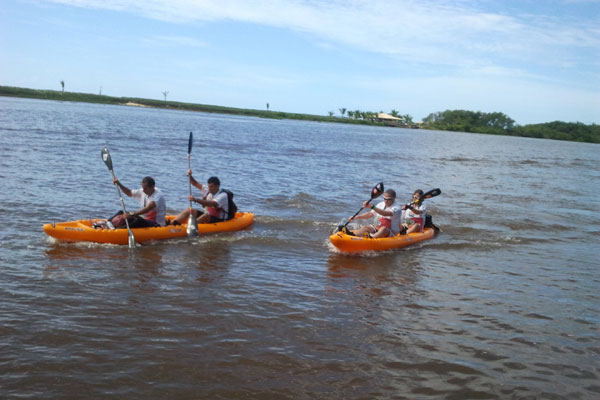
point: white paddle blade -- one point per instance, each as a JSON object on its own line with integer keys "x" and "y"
{"x": 192, "y": 226}
{"x": 106, "y": 158}
{"x": 131, "y": 240}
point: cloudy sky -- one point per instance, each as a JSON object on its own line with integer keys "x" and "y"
{"x": 534, "y": 60}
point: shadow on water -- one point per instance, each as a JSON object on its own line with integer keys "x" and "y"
{"x": 397, "y": 267}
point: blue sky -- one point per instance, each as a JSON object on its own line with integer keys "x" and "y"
{"x": 534, "y": 60}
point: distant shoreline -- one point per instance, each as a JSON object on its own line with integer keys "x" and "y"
{"x": 556, "y": 130}
{"x": 9, "y": 91}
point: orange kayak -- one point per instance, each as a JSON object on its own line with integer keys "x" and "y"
{"x": 353, "y": 244}
{"x": 82, "y": 230}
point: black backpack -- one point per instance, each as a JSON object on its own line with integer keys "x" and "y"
{"x": 232, "y": 208}
{"x": 429, "y": 223}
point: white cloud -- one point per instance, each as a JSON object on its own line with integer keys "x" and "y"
{"x": 460, "y": 54}
{"x": 431, "y": 31}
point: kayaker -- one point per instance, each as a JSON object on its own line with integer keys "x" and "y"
{"x": 214, "y": 201}
{"x": 153, "y": 205}
{"x": 387, "y": 217}
{"x": 414, "y": 213}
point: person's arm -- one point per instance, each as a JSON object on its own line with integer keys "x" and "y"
{"x": 367, "y": 215}
{"x": 215, "y": 202}
{"x": 150, "y": 206}
{"x": 416, "y": 210}
{"x": 204, "y": 202}
{"x": 123, "y": 188}
{"x": 385, "y": 213}
{"x": 193, "y": 181}
{"x": 375, "y": 210}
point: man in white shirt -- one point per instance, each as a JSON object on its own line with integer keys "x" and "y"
{"x": 214, "y": 201}
{"x": 387, "y": 217}
{"x": 153, "y": 205}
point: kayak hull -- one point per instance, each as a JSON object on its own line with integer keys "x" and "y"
{"x": 355, "y": 244}
{"x": 82, "y": 230}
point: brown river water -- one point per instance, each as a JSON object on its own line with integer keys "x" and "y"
{"x": 503, "y": 304}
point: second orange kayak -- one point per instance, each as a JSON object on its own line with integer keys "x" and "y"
{"x": 354, "y": 244}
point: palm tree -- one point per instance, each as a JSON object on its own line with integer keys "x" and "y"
{"x": 165, "y": 93}
{"x": 62, "y": 83}
{"x": 342, "y": 111}
{"x": 350, "y": 114}
{"x": 394, "y": 113}
{"x": 407, "y": 119}
{"x": 331, "y": 113}
{"x": 267, "y": 106}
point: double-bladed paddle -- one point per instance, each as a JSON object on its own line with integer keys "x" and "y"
{"x": 426, "y": 195}
{"x": 192, "y": 224}
{"x": 376, "y": 192}
{"x": 107, "y": 160}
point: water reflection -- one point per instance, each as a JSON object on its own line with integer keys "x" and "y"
{"x": 208, "y": 258}
{"x": 68, "y": 255}
{"x": 96, "y": 259}
{"x": 213, "y": 265}
{"x": 388, "y": 273}
{"x": 338, "y": 264}
{"x": 147, "y": 262}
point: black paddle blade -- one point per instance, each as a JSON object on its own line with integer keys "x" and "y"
{"x": 377, "y": 190}
{"x": 427, "y": 195}
{"x": 190, "y": 141}
{"x": 432, "y": 193}
{"x": 106, "y": 158}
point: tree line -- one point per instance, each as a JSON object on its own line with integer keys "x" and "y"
{"x": 498, "y": 123}
{"x": 495, "y": 123}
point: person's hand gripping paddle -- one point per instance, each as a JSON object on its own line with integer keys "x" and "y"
{"x": 376, "y": 192}
{"x": 107, "y": 160}
{"x": 192, "y": 224}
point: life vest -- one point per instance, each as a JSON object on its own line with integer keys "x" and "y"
{"x": 387, "y": 222}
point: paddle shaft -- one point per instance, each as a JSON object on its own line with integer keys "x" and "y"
{"x": 375, "y": 192}
{"x": 192, "y": 224}
{"x": 122, "y": 202}
{"x": 190, "y": 144}
{"x": 108, "y": 161}
{"x": 189, "y": 180}
{"x": 368, "y": 202}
